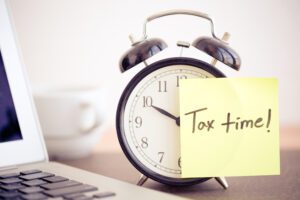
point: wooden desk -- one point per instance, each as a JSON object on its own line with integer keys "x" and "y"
{"x": 108, "y": 160}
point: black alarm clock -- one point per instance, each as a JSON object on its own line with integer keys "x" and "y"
{"x": 147, "y": 119}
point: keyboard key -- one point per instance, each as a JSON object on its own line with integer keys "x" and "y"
{"x": 104, "y": 194}
{"x": 10, "y": 175}
{"x": 52, "y": 186}
{"x": 54, "y": 179}
{"x": 9, "y": 195}
{"x": 83, "y": 198}
{"x": 35, "y": 182}
{"x": 29, "y": 190}
{"x": 34, "y": 196}
{"x": 33, "y": 171}
{"x": 36, "y": 176}
{"x": 70, "y": 190}
{"x": 72, "y": 196}
{"x": 14, "y": 186}
{"x": 10, "y": 180}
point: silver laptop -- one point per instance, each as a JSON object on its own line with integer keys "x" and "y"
{"x": 25, "y": 172}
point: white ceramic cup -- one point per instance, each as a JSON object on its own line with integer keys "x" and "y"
{"x": 67, "y": 113}
{"x": 71, "y": 119}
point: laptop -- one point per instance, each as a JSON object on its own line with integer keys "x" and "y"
{"x": 25, "y": 171}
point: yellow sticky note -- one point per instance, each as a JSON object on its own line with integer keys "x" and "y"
{"x": 229, "y": 127}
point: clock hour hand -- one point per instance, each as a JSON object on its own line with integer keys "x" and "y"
{"x": 166, "y": 113}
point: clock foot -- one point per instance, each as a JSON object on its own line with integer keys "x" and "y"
{"x": 222, "y": 181}
{"x": 142, "y": 180}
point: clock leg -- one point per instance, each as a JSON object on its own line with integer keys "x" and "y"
{"x": 222, "y": 181}
{"x": 142, "y": 180}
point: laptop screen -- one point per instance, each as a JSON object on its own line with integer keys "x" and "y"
{"x": 9, "y": 124}
{"x": 21, "y": 140}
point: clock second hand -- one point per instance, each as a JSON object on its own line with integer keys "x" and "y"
{"x": 164, "y": 112}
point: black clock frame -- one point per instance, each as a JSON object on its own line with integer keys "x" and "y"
{"x": 120, "y": 117}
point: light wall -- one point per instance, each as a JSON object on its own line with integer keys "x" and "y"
{"x": 67, "y": 43}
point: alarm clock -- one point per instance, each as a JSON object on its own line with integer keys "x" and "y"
{"x": 147, "y": 118}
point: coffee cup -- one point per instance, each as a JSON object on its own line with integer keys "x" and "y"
{"x": 70, "y": 117}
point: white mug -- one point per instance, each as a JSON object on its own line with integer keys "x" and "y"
{"x": 66, "y": 113}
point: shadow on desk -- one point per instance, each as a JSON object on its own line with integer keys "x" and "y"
{"x": 283, "y": 187}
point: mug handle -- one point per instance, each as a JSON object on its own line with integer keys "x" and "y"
{"x": 89, "y": 118}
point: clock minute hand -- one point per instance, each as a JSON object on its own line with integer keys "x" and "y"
{"x": 164, "y": 112}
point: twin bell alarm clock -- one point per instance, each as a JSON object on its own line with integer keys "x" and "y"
{"x": 147, "y": 119}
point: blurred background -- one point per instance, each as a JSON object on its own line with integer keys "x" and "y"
{"x": 80, "y": 42}
{"x": 76, "y": 43}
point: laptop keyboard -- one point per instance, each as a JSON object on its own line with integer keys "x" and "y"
{"x": 35, "y": 185}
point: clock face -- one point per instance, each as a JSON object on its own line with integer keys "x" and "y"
{"x": 148, "y": 123}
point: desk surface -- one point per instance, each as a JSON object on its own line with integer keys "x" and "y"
{"x": 112, "y": 162}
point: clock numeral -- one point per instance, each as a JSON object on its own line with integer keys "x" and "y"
{"x": 179, "y": 162}
{"x": 147, "y": 101}
{"x": 144, "y": 144}
{"x": 178, "y": 78}
{"x": 138, "y": 121}
{"x": 162, "y": 86}
{"x": 161, "y": 156}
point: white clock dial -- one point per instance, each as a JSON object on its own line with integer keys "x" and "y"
{"x": 149, "y": 123}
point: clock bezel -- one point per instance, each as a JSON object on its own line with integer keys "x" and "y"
{"x": 121, "y": 108}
